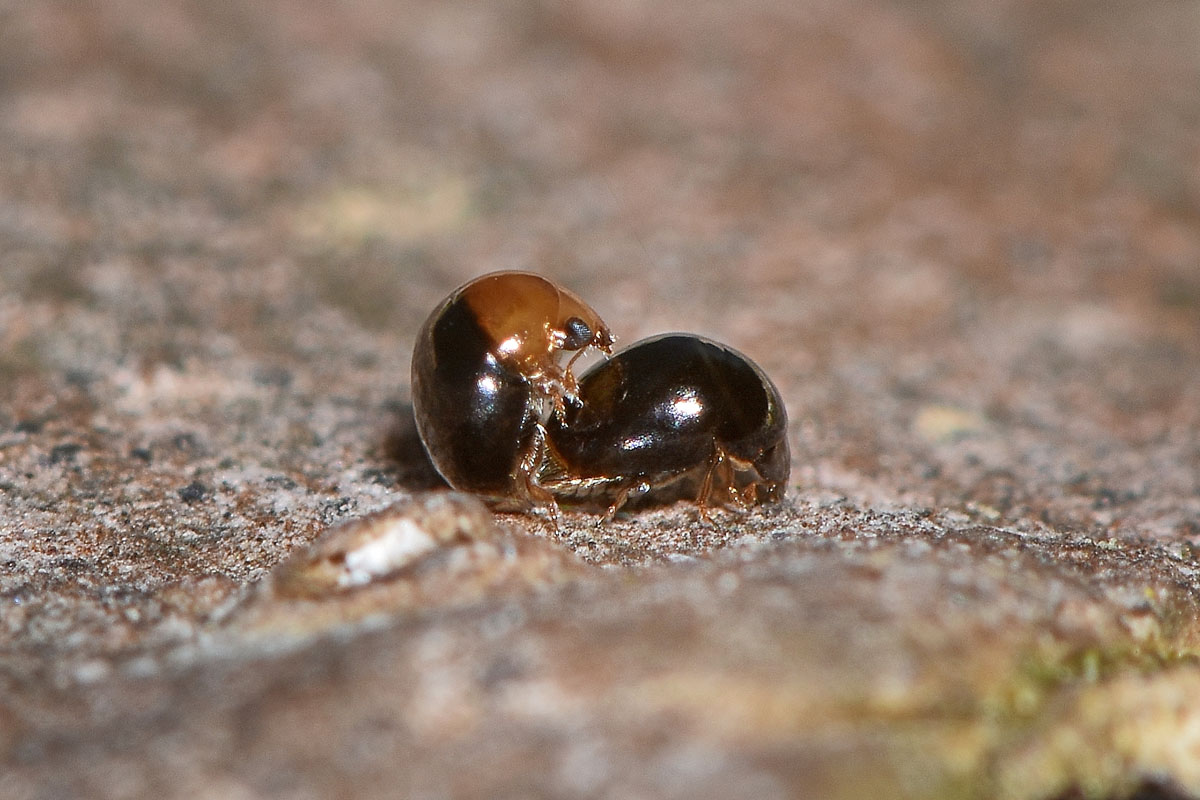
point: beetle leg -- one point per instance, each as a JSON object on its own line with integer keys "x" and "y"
{"x": 559, "y": 405}
{"x": 755, "y": 489}
{"x": 568, "y": 377}
{"x": 531, "y": 460}
{"x": 744, "y": 495}
{"x": 721, "y": 481}
{"x": 734, "y": 495}
{"x": 539, "y": 496}
{"x": 715, "y": 462}
{"x": 554, "y": 387}
{"x": 640, "y": 487}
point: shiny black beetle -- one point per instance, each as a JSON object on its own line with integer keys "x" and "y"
{"x": 487, "y": 372}
{"x": 674, "y": 416}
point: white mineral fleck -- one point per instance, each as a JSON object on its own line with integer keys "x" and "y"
{"x": 397, "y": 542}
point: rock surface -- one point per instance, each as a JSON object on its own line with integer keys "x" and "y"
{"x": 962, "y": 237}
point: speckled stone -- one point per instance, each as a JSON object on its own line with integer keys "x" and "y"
{"x": 963, "y": 238}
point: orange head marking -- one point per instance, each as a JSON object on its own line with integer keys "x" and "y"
{"x": 531, "y": 320}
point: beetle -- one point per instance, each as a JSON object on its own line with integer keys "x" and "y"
{"x": 672, "y": 416}
{"x": 487, "y": 373}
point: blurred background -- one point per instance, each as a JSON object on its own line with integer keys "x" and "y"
{"x": 922, "y": 159}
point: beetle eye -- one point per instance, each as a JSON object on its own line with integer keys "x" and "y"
{"x": 578, "y": 334}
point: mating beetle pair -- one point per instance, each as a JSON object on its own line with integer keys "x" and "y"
{"x": 672, "y": 416}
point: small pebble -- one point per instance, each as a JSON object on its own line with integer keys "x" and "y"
{"x": 379, "y": 545}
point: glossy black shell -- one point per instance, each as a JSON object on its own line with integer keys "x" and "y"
{"x": 485, "y": 418}
{"x": 666, "y": 408}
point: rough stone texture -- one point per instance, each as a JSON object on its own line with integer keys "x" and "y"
{"x": 962, "y": 237}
